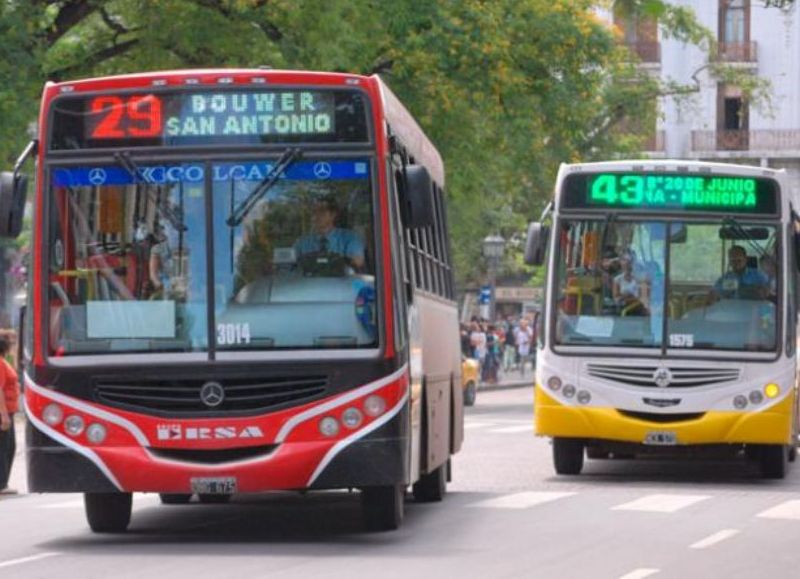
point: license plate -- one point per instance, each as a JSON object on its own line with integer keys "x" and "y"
{"x": 214, "y": 485}
{"x": 661, "y": 438}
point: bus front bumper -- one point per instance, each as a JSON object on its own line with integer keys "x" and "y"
{"x": 770, "y": 426}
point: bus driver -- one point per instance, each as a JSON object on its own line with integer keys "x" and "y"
{"x": 327, "y": 238}
{"x": 741, "y": 282}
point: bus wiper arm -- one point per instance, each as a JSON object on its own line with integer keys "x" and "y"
{"x": 125, "y": 161}
{"x": 742, "y": 232}
{"x": 243, "y": 209}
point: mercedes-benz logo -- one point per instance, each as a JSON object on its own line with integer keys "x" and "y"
{"x": 212, "y": 394}
{"x": 322, "y": 170}
{"x": 97, "y": 176}
{"x": 662, "y": 377}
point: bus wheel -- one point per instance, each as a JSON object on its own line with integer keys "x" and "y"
{"x": 108, "y": 512}
{"x": 174, "y": 498}
{"x": 383, "y": 507}
{"x": 470, "y": 393}
{"x": 431, "y": 487}
{"x": 773, "y": 459}
{"x": 792, "y": 452}
{"x": 214, "y": 499}
{"x": 568, "y": 455}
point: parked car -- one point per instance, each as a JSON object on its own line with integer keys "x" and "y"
{"x": 470, "y": 376}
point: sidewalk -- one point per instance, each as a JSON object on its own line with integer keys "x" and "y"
{"x": 510, "y": 379}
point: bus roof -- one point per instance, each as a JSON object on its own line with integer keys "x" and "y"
{"x": 668, "y": 165}
{"x": 414, "y": 138}
{"x": 209, "y": 75}
{"x": 401, "y": 121}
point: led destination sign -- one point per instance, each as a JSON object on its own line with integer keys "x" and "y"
{"x": 204, "y": 117}
{"x": 211, "y": 115}
{"x": 671, "y": 192}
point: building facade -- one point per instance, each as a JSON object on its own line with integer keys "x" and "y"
{"x": 717, "y": 123}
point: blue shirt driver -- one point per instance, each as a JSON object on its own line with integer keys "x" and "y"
{"x": 327, "y": 238}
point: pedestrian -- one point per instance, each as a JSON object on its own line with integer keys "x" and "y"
{"x": 510, "y": 348}
{"x": 491, "y": 362}
{"x": 524, "y": 337}
{"x": 9, "y": 404}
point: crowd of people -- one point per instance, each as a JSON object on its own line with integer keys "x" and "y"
{"x": 502, "y": 346}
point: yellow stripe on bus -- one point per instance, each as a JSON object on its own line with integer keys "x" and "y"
{"x": 772, "y": 426}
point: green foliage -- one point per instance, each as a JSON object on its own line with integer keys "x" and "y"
{"x": 506, "y": 89}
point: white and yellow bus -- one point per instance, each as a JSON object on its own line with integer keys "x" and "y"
{"x": 671, "y": 313}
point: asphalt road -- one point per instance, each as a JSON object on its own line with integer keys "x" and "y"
{"x": 506, "y": 515}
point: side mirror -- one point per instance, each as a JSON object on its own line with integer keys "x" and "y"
{"x": 418, "y": 197}
{"x": 536, "y": 244}
{"x": 13, "y": 191}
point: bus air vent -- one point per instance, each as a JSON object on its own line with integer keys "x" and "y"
{"x": 662, "y": 418}
{"x": 674, "y": 377}
{"x": 214, "y": 456}
{"x": 181, "y": 397}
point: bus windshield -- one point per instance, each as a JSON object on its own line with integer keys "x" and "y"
{"x": 133, "y": 264}
{"x": 718, "y": 291}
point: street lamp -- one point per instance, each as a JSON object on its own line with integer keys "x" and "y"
{"x": 493, "y": 247}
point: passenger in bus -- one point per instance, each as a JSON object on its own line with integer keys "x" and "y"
{"x": 740, "y": 281}
{"x": 327, "y": 238}
{"x": 629, "y": 290}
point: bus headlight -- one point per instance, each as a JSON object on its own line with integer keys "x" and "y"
{"x": 584, "y": 397}
{"x": 756, "y": 397}
{"x": 73, "y": 424}
{"x": 554, "y": 383}
{"x": 351, "y": 418}
{"x": 52, "y": 414}
{"x": 771, "y": 390}
{"x": 96, "y": 433}
{"x": 740, "y": 401}
{"x": 329, "y": 426}
{"x": 569, "y": 391}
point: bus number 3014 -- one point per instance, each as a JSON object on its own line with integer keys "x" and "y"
{"x": 233, "y": 334}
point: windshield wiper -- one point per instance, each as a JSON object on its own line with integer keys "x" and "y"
{"x": 163, "y": 206}
{"x": 243, "y": 209}
{"x": 743, "y": 234}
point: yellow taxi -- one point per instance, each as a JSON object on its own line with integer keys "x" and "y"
{"x": 470, "y": 376}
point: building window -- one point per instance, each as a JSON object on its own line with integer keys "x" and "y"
{"x": 733, "y": 109}
{"x": 734, "y": 20}
{"x": 732, "y": 119}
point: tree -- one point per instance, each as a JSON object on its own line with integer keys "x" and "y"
{"x": 507, "y": 89}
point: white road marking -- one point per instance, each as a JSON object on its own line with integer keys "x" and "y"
{"x": 640, "y": 573}
{"x": 139, "y": 500}
{"x": 714, "y": 539}
{"x": 30, "y": 559}
{"x": 661, "y": 503}
{"x": 510, "y": 429}
{"x": 471, "y": 425}
{"x": 522, "y": 500}
{"x": 788, "y": 510}
{"x": 73, "y": 504}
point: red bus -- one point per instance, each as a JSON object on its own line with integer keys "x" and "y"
{"x": 240, "y": 283}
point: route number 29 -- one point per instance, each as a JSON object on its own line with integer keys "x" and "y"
{"x": 120, "y": 117}
{"x": 233, "y": 334}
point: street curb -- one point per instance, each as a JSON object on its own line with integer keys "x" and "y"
{"x": 505, "y": 386}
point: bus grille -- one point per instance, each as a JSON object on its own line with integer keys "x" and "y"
{"x": 645, "y": 375}
{"x": 662, "y": 418}
{"x": 182, "y": 397}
